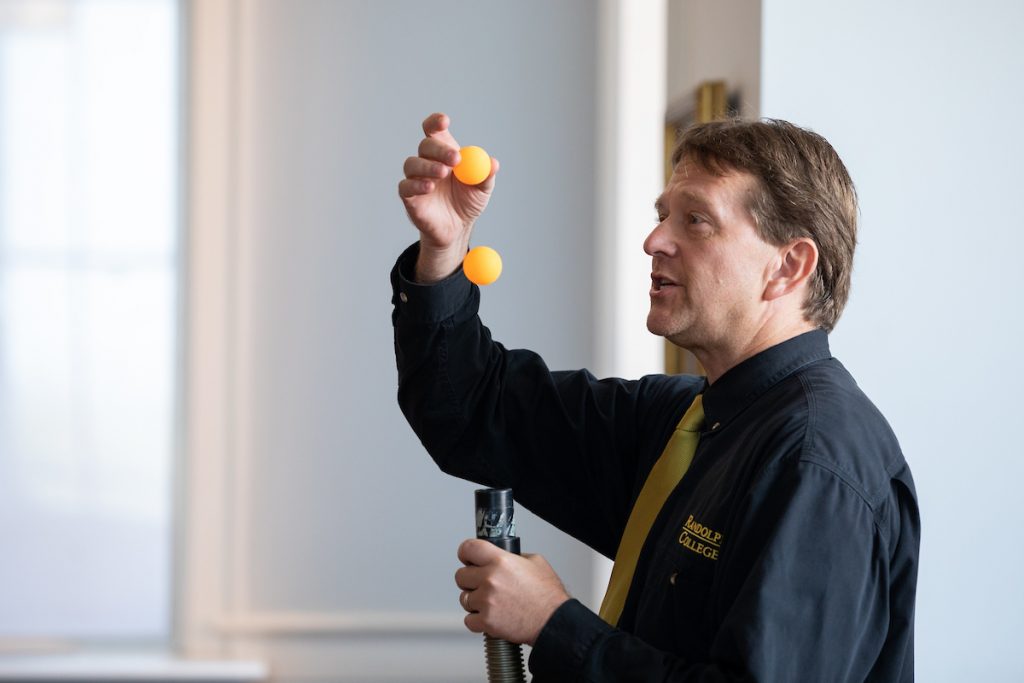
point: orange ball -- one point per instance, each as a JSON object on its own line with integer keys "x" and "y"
{"x": 482, "y": 265}
{"x": 474, "y": 167}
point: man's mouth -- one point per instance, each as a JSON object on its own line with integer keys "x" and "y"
{"x": 659, "y": 282}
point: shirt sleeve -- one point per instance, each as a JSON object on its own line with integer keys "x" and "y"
{"x": 810, "y": 586}
{"x": 571, "y": 446}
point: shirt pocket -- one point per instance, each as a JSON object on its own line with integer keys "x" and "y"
{"x": 674, "y": 601}
{"x": 690, "y": 580}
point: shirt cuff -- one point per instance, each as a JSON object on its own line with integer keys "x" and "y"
{"x": 428, "y": 303}
{"x": 566, "y": 641}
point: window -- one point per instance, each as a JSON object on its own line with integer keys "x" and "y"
{"x": 89, "y": 278}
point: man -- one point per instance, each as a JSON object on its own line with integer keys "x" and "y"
{"x": 763, "y": 520}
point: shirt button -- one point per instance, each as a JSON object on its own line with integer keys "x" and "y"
{"x": 716, "y": 426}
{"x": 672, "y": 579}
{"x": 403, "y": 297}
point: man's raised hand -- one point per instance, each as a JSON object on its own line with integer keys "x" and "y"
{"x": 442, "y": 209}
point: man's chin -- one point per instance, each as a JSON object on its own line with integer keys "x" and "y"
{"x": 659, "y": 327}
{"x": 670, "y": 332}
{"x": 654, "y": 326}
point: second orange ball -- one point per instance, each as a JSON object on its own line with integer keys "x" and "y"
{"x": 482, "y": 265}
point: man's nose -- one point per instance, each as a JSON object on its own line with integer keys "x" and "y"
{"x": 657, "y": 241}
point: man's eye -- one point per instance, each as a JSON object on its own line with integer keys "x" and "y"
{"x": 662, "y": 217}
{"x": 695, "y": 218}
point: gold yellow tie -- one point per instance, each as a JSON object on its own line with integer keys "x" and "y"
{"x": 666, "y": 474}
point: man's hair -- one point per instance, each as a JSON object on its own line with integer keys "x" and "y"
{"x": 802, "y": 190}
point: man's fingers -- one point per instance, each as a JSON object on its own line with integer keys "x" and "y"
{"x": 474, "y": 622}
{"x": 418, "y": 167}
{"x": 414, "y": 187}
{"x": 438, "y": 150}
{"x": 435, "y": 123}
{"x": 436, "y": 126}
{"x": 478, "y": 552}
{"x": 468, "y": 578}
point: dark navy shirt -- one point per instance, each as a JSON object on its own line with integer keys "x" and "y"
{"x": 789, "y": 550}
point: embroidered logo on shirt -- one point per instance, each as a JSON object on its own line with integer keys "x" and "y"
{"x": 700, "y": 539}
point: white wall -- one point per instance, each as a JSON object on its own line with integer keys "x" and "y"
{"x": 337, "y": 94}
{"x": 334, "y": 550}
{"x": 922, "y": 99}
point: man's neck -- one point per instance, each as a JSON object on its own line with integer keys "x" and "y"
{"x": 719, "y": 360}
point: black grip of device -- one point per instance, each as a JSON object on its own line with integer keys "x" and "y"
{"x": 495, "y": 518}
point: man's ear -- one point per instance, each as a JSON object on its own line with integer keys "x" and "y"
{"x": 797, "y": 261}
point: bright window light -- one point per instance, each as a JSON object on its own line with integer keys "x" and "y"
{"x": 88, "y": 316}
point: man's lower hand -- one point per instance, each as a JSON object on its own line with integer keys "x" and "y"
{"x": 507, "y": 596}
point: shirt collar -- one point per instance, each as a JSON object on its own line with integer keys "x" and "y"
{"x": 741, "y": 385}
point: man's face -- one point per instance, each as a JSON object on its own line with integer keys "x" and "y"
{"x": 709, "y": 266}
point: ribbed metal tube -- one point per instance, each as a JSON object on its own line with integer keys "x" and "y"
{"x": 504, "y": 661}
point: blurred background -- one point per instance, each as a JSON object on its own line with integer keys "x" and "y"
{"x": 204, "y": 474}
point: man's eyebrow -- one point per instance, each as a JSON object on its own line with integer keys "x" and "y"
{"x": 695, "y": 198}
{"x": 661, "y": 206}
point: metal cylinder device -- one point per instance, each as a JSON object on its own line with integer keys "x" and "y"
{"x": 495, "y": 522}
